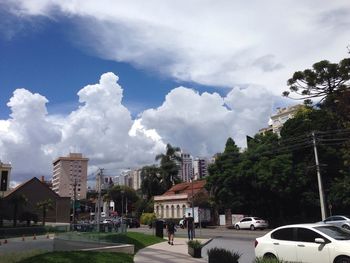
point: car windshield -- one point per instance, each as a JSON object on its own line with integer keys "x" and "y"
{"x": 334, "y": 232}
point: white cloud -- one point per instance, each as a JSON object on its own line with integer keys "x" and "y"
{"x": 99, "y": 128}
{"x": 103, "y": 130}
{"x": 201, "y": 123}
{"x": 252, "y": 44}
{"x": 225, "y": 43}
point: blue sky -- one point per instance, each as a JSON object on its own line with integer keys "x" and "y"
{"x": 124, "y": 78}
{"x": 44, "y": 60}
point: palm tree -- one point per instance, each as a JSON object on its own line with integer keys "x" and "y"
{"x": 151, "y": 179}
{"x": 45, "y": 205}
{"x": 17, "y": 201}
{"x": 169, "y": 167}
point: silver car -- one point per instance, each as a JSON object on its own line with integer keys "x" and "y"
{"x": 340, "y": 221}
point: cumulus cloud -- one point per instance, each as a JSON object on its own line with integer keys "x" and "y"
{"x": 228, "y": 43}
{"x": 201, "y": 123}
{"x": 99, "y": 128}
{"x": 103, "y": 130}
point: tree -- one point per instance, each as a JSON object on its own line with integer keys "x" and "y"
{"x": 322, "y": 81}
{"x": 44, "y": 206}
{"x": 17, "y": 201}
{"x": 123, "y": 197}
{"x": 222, "y": 176}
{"x": 169, "y": 168}
{"x": 151, "y": 181}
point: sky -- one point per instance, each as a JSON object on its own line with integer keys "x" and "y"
{"x": 118, "y": 80}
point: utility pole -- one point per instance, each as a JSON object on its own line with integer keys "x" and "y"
{"x": 319, "y": 179}
{"x": 126, "y": 206}
{"x": 194, "y": 235}
{"x": 100, "y": 176}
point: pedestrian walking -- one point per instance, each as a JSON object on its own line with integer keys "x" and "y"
{"x": 190, "y": 226}
{"x": 171, "y": 232}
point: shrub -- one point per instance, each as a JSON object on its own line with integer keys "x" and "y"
{"x": 147, "y": 218}
{"x": 221, "y": 255}
{"x": 194, "y": 244}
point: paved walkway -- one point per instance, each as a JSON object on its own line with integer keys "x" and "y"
{"x": 163, "y": 252}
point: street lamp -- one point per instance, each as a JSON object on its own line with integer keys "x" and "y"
{"x": 122, "y": 202}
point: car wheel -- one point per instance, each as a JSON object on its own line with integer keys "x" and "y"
{"x": 237, "y": 227}
{"x": 342, "y": 259}
{"x": 269, "y": 256}
{"x": 252, "y": 227}
{"x": 346, "y": 227}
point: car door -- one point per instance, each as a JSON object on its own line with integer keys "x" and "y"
{"x": 284, "y": 245}
{"x": 245, "y": 222}
{"x": 334, "y": 220}
{"x": 308, "y": 251}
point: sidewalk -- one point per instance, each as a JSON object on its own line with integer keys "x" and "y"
{"x": 163, "y": 252}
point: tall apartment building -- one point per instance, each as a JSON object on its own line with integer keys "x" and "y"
{"x": 200, "y": 168}
{"x": 136, "y": 179}
{"x": 279, "y": 118}
{"x": 186, "y": 169}
{"x": 5, "y": 172}
{"x": 68, "y": 173}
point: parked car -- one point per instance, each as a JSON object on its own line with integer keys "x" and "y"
{"x": 340, "y": 221}
{"x": 251, "y": 223}
{"x": 312, "y": 243}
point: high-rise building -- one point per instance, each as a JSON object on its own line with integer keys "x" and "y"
{"x": 5, "y": 171}
{"x": 136, "y": 179}
{"x": 282, "y": 115}
{"x": 70, "y": 176}
{"x": 279, "y": 118}
{"x": 186, "y": 169}
{"x": 200, "y": 168}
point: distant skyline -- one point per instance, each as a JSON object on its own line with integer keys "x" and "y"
{"x": 119, "y": 80}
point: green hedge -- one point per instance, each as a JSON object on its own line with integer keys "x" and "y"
{"x": 147, "y": 218}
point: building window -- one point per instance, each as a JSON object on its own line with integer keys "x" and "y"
{"x": 166, "y": 211}
{"x": 183, "y": 209}
{"x": 172, "y": 211}
{"x": 178, "y": 214}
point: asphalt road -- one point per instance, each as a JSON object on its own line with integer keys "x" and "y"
{"x": 17, "y": 245}
{"x": 240, "y": 241}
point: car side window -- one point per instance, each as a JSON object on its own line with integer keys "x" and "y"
{"x": 338, "y": 218}
{"x": 329, "y": 219}
{"x": 307, "y": 235}
{"x": 245, "y": 219}
{"x": 283, "y": 234}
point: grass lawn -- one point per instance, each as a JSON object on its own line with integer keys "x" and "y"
{"x": 79, "y": 256}
{"x": 138, "y": 239}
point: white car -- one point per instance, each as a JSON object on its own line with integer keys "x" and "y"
{"x": 341, "y": 221}
{"x": 251, "y": 223}
{"x": 311, "y": 243}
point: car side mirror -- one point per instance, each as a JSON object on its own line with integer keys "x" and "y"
{"x": 320, "y": 241}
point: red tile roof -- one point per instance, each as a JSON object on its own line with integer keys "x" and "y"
{"x": 186, "y": 188}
